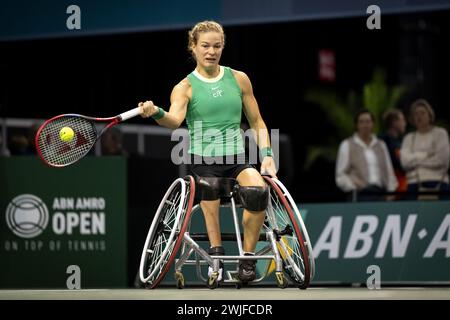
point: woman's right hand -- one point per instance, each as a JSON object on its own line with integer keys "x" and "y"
{"x": 148, "y": 109}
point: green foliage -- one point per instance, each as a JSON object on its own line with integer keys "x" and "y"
{"x": 376, "y": 96}
{"x": 335, "y": 109}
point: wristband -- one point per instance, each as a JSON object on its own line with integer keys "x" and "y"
{"x": 266, "y": 152}
{"x": 159, "y": 114}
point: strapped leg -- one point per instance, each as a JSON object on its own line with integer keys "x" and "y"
{"x": 253, "y": 195}
{"x": 211, "y": 213}
{"x": 217, "y": 251}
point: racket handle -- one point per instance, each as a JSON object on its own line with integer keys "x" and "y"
{"x": 130, "y": 114}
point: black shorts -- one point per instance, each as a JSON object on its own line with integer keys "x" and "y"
{"x": 223, "y": 166}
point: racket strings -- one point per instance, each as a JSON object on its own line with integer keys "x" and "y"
{"x": 57, "y": 152}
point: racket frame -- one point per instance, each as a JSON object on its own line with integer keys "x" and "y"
{"x": 112, "y": 122}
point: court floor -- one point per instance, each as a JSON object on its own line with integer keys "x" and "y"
{"x": 228, "y": 293}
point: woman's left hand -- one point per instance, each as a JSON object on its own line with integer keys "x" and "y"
{"x": 268, "y": 167}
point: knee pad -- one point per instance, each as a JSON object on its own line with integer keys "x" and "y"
{"x": 207, "y": 188}
{"x": 254, "y": 198}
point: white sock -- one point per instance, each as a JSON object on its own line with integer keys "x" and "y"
{"x": 249, "y": 253}
{"x": 210, "y": 271}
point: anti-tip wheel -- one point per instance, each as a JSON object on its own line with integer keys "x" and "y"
{"x": 282, "y": 282}
{"x": 180, "y": 280}
{"x": 213, "y": 280}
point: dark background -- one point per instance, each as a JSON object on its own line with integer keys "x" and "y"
{"x": 104, "y": 75}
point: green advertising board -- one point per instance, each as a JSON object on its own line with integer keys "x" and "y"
{"x": 62, "y": 225}
{"x": 407, "y": 242}
{"x": 52, "y": 219}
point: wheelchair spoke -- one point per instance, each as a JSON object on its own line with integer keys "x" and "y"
{"x": 153, "y": 258}
{"x": 163, "y": 239}
{"x": 283, "y": 222}
{"x": 293, "y": 260}
{"x": 171, "y": 213}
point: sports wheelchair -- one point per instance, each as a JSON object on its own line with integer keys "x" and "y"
{"x": 286, "y": 242}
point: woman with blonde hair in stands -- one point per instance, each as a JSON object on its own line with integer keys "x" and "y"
{"x": 425, "y": 152}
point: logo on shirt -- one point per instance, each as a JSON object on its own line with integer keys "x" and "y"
{"x": 217, "y": 92}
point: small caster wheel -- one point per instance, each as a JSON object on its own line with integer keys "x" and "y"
{"x": 180, "y": 280}
{"x": 147, "y": 285}
{"x": 282, "y": 282}
{"x": 213, "y": 281}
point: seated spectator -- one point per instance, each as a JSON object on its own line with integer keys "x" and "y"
{"x": 23, "y": 144}
{"x": 31, "y": 136}
{"x": 3, "y": 149}
{"x": 395, "y": 127}
{"x": 425, "y": 152}
{"x": 19, "y": 145}
{"x": 363, "y": 164}
{"x": 112, "y": 143}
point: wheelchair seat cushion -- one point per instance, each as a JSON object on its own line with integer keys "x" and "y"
{"x": 213, "y": 188}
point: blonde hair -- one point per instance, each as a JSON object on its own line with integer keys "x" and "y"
{"x": 204, "y": 26}
{"x": 421, "y": 103}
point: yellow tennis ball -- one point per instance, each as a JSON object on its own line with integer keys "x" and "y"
{"x": 66, "y": 134}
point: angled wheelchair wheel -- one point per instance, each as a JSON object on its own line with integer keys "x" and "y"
{"x": 293, "y": 241}
{"x": 301, "y": 225}
{"x": 166, "y": 231}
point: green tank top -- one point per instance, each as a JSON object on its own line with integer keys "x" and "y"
{"x": 214, "y": 115}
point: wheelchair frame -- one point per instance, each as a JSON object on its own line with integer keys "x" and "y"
{"x": 276, "y": 249}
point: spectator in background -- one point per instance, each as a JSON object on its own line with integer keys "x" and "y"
{"x": 3, "y": 149}
{"x": 363, "y": 164}
{"x": 23, "y": 144}
{"x": 19, "y": 145}
{"x": 112, "y": 143}
{"x": 425, "y": 153}
{"x": 31, "y": 136}
{"x": 395, "y": 128}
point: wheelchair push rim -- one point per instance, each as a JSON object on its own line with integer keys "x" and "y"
{"x": 295, "y": 253}
{"x": 301, "y": 224}
{"x": 166, "y": 231}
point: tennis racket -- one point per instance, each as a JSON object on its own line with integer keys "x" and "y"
{"x": 56, "y": 152}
